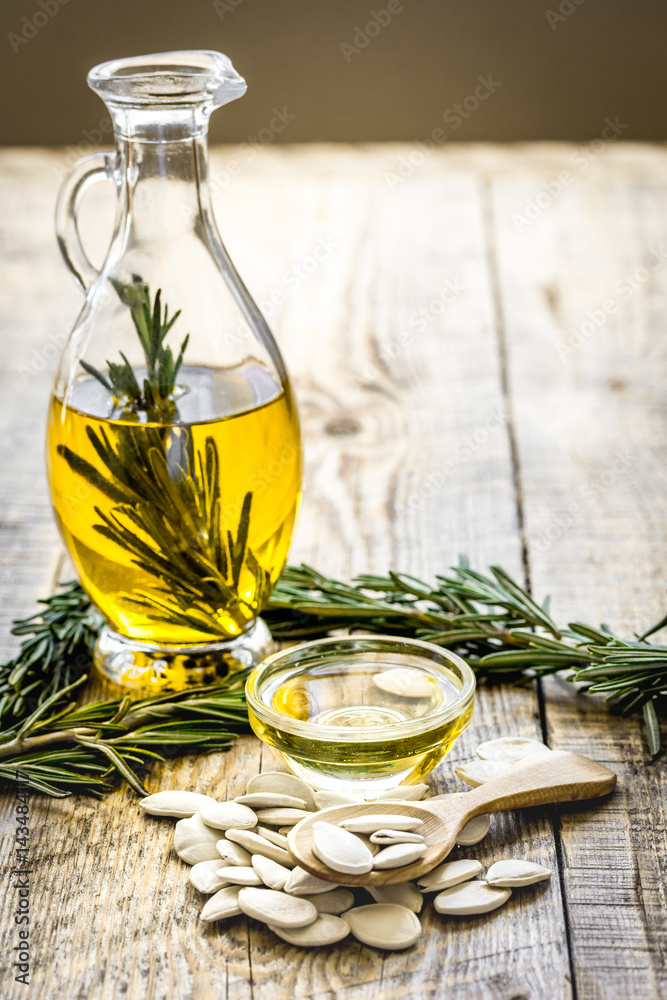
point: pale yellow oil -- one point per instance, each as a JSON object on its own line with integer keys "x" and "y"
{"x": 231, "y": 453}
{"x": 340, "y": 698}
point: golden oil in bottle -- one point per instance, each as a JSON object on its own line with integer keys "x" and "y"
{"x": 178, "y": 530}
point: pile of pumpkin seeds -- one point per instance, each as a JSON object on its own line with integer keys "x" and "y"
{"x": 240, "y": 858}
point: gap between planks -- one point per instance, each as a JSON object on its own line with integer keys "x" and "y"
{"x": 486, "y": 199}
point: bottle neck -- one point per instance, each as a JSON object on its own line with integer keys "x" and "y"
{"x": 162, "y": 170}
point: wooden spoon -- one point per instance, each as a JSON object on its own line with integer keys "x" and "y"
{"x": 534, "y": 781}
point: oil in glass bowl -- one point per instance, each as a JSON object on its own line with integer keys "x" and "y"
{"x": 361, "y": 714}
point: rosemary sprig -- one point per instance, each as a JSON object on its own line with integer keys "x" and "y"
{"x": 80, "y": 749}
{"x": 489, "y": 619}
{"x": 57, "y": 643}
{"x": 167, "y": 516}
{"x": 167, "y": 511}
{"x": 155, "y": 397}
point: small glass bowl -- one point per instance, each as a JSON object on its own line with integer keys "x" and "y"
{"x": 361, "y": 714}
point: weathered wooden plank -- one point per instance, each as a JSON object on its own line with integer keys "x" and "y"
{"x": 35, "y": 305}
{"x": 407, "y": 464}
{"x": 584, "y": 290}
{"x": 435, "y": 411}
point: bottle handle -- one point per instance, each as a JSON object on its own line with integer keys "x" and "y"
{"x": 90, "y": 169}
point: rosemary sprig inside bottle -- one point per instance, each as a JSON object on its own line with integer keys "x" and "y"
{"x": 160, "y": 500}
{"x": 154, "y": 398}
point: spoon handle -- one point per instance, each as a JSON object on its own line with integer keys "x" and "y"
{"x": 540, "y": 779}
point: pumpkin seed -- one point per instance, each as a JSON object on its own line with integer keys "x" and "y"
{"x": 334, "y": 901}
{"x": 401, "y": 893}
{"x": 405, "y": 793}
{"x": 279, "y": 839}
{"x": 384, "y": 925}
{"x": 266, "y": 800}
{"x": 371, "y": 822}
{"x": 470, "y": 897}
{"x": 174, "y": 803}
{"x": 388, "y": 837}
{"x": 398, "y": 855}
{"x": 511, "y": 873}
{"x": 450, "y": 874}
{"x": 232, "y": 853}
{"x": 271, "y": 873}
{"x": 259, "y": 845}
{"x": 474, "y": 831}
{"x": 194, "y": 841}
{"x": 228, "y": 816}
{"x": 204, "y": 876}
{"x": 277, "y": 908}
{"x": 223, "y": 904}
{"x": 302, "y": 883}
{"x": 406, "y": 682}
{"x": 323, "y": 800}
{"x": 282, "y": 817}
{"x": 240, "y": 875}
{"x": 250, "y": 870}
{"x": 340, "y": 849}
{"x": 284, "y": 784}
{"x": 476, "y": 772}
{"x": 325, "y": 929}
{"x": 509, "y": 749}
{"x": 372, "y": 847}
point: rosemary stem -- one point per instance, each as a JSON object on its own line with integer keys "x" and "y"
{"x": 30, "y": 744}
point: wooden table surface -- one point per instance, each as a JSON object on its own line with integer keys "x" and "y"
{"x": 479, "y": 356}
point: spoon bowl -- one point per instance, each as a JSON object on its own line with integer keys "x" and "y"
{"x": 544, "y": 778}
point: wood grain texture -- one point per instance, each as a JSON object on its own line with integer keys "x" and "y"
{"x": 584, "y": 291}
{"x": 438, "y": 419}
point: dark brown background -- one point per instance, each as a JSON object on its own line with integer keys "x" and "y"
{"x": 605, "y": 58}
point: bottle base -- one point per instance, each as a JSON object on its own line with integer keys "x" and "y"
{"x": 147, "y": 668}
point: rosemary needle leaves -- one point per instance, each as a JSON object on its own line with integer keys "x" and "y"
{"x": 155, "y": 396}
{"x": 78, "y": 748}
{"x": 57, "y": 643}
{"x": 489, "y": 619}
{"x": 162, "y": 498}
